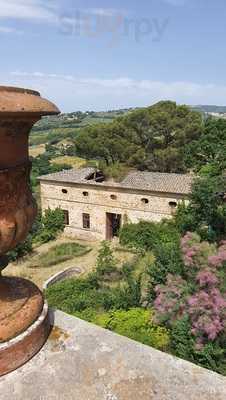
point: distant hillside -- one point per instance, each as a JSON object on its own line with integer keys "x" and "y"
{"x": 210, "y": 109}
{"x": 77, "y": 119}
{"x": 65, "y": 126}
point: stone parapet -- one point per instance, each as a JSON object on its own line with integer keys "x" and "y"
{"x": 85, "y": 362}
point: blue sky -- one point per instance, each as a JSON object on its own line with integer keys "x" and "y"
{"x": 100, "y": 55}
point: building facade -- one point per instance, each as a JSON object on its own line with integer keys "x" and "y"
{"x": 95, "y": 209}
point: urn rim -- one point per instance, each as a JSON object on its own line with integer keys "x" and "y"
{"x": 16, "y": 101}
{"x": 19, "y": 90}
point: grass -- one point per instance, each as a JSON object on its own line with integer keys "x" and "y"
{"x": 59, "y": 254}
{"x": 123, "y": 249}
{"x": 75, "y": 162}
{"x": 49, "y": 135}
{"x": 35, "y": 151}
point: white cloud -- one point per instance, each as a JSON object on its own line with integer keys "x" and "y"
{"x": 175, "y": 2}
{"x": 41, "y": 10}
{"x": 27, "y": 9}
{"x": 104, "y": 12}
{"x": 8, "y": 30}
{"x": 73, "y": 93}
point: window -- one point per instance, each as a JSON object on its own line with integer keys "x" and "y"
{"x": 173, "y": 204}
{"x": 86, "y": 221}
{"x": 64, "y": 191}
{"x": 66, "y": 217}
{"x": 113, "y": 197}
{"x": 86, "y": 194}
{"x": 145, "y": 201}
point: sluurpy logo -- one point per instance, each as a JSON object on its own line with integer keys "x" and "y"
{"x": 112, "y": 26}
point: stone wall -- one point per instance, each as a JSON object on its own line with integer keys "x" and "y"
{"x": 99, "y": 200}
{"x": 81, "y": 361}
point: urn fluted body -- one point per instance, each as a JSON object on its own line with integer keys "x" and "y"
{"x": 21, "y": 302}
{"x": 20, "y": 109}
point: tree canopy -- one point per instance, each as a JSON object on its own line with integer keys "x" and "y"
{"x": 152, "y": 138}
{"x": 207, "y": 154}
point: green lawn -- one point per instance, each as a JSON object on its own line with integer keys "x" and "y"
{"x": 59, "y": 254}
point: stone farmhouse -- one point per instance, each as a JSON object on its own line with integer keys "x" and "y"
{"x": 96, "y": 208}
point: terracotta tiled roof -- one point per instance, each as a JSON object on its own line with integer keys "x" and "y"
{"x": 159, "y": 182}
{"x": 148, "y": 181}
{"x": 69, "y": 176}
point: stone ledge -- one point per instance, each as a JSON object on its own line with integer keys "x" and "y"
{"x": 83, "y": 362}
{"x": 62, "y": 275}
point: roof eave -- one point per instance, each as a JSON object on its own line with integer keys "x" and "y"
{"x": 101, "y": 185}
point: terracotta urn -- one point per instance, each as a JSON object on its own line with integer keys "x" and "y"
{"x": 21, "y": 302}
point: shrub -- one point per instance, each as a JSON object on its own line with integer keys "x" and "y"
{"x": 211, "y": 356}
{"x": 41, "y": 165}
{"x": 206, "y": 212}
{"x": 106, "y": 263}
{"x": 52, "y": 223}
{"x": 117, "y": 170}
{"x": 196, "y": 304}
{"x": 163, "y": 240}
{"x": 171, "y": 299}
{"x": 182, "y": 341}
{"x": 75, "y": 295}
{"x": 207, "y": 310}
{"x": 168, "y": 260}
{"x": 21, "y": 250}
{"x": 201, "y": 298}
{"x": 136, "y": 324}
{"x": 147, "y": 235}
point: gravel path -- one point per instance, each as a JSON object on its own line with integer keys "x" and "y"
{"x": 86, "y": 262}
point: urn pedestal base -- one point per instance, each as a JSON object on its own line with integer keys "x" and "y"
{"x": 24, "y": 322}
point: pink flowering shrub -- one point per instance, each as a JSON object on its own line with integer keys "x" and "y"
{"x": 196, "y": 253}
{"x": 206, "y": 278}
{"x": 207, "y": 313}
{"x": 199, "y": 293}
{"x": 169, "y": 304}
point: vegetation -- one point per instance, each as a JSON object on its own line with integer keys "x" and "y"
{"x": 153, "y": 138}
{"x": 164, "y": 137}
{"x": 172, "y": 296}
{"x": 50, "y": 224}
{"x": 136, "y": 324}
{"x": 163, "y": 240}
{"x": 106, "y": 263}
{"x": 21, "y": 250}
{"x": 73, "y": 161}
{"x": 184, "y": 295}
{"x": 115, "y": 307}
{"x": 206, "y": 212}
{"x": 46, "y": 228}
{"x": 207, "y": 154}
{"x": 187, "y": 285}
{"x": 194, "y": 305}
{"x": 41, "y": 165}
{"x": 93, "y": 292}
{"x": 210, "y": 109}
{"x": 59, "y": 254}
{"x": 66, "y": 126}
{"x": 147, "y": 235}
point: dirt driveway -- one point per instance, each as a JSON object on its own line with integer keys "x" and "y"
{"x": 86, "y": 262}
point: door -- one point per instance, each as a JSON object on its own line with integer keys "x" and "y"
{"x": 113, "y": 225}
